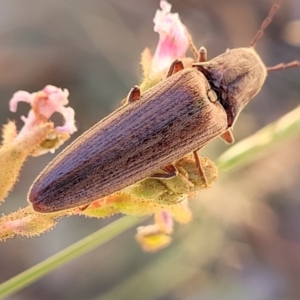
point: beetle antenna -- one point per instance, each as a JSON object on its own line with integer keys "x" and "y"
{"x": 282, "y": 66}
{"x": 266, "y": 22}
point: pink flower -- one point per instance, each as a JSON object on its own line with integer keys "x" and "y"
{"x": 173, "y": 37}
{"x": 44, "y": 103}
{"x": 38, "y": 132}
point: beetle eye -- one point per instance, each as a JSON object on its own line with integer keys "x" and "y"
{"x": 212, "y": 96}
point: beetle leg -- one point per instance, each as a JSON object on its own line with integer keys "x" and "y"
{"x": 199, "y": 55}
{"x": 199, "y": 167}
{"x": 175, "y": 67}
{"x": 170, "y": 172}
{"x": 202, "y": 54}
{"x": 227, "y": 137}
{"x": 133, "y": 94}
{"x": 84, "y": 207}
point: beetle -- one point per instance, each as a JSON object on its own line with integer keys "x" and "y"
{"x": 143, "y": 138}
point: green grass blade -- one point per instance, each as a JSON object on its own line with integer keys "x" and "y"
{"x": 256, "y": 145}
{"x": 85, "y": 245}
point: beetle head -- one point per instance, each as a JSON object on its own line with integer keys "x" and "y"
{"x": 236, "y": 76}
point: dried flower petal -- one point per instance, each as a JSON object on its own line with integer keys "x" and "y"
{"x": 164, "y": 221}
{"x": 151, "y": 239}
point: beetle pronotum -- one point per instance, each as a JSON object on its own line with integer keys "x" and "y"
{"x": 179, "y": 115}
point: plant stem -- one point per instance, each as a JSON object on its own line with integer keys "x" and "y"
{"x": 83, "y": 246}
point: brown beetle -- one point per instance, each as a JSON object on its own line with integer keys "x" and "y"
{"x": 191, "y": 107}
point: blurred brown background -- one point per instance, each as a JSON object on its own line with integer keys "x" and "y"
{"x": 244, "y": 241}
